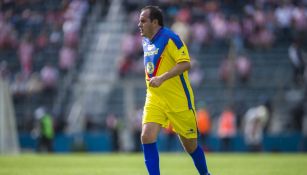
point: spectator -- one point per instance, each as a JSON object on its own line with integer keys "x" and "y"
{"x": 255, "y": 121}
{"x": 196, "y": 74}
{"x": 8, "y": 35}
{"x": 299, "y": 18}
{"x": 227, "y": 70}
{"x": 125, "y": 65}
{"x": 298, "y": 63}
{"x": 261, "y": 38}
{"x": 200, "y": 35}
{"x": 181, "y": 25}
{"x": 49, "y": 76}
{"x": 137, "y": 128}
{"x": 130, "y": 44}
{"x": 243, "y": 66}
{"x": 235, "y": 34}
{"x": 227, "y": 128}
{"x": 112, "y": 126}
{"x": 19, "y": 86}
{"x": 25, "y": 52}
{"x": 55, "y": 35}
{"x": 34, "y": 84}
{"x": 4, "y": 70}
{"x": 203, "y": 123}
{"x": 283, "y": 14}
{"x": 67, "y": 58}
{"x": 219, "y": 27}
{"x": 44, "y": 130}
{"x": 72, "y": 21}
{"x": 42, "y": 40}
{"x": 297, "y": 116}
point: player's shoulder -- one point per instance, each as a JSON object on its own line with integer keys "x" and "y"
{"x": 173, "y": 36}
{"x": 169, "y": 33}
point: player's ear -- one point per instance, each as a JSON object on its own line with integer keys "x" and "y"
{"x": 155, "y": 21}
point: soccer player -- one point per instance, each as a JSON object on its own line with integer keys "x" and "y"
{"x": 169, "y": 97}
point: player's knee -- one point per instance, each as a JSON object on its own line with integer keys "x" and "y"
{"x": 190, "y": 148}
{"x": 147, "y": 137}
{"x": 189, "y": 145}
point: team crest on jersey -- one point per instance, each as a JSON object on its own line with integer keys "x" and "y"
{"x": 150, "y": 67}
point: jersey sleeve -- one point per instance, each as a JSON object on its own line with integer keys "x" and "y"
{"x": 178, "y": 54}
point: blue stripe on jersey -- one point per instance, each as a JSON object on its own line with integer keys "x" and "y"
{"x": 173, "y": 36}
{"x": 186, "y": 90}
{"x": 177, "y": 41}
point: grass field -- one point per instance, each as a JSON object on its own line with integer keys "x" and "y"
{"x": 170, "y": 163}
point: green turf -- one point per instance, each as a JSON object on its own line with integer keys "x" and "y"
{"x": 171, "y": 164}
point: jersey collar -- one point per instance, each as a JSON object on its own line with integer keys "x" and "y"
{"x": 156, "y": 35}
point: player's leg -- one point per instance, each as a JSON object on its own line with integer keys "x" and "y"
{"x": 184, "y": 123}
{"x": 190, "y": 145}
{"x": 150, "y": 132}
{"x": 153, "y": 119}
{"x": 149, "y": 136}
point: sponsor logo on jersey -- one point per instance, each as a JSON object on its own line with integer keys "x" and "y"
{"x": 150, "y": 53}
{"x": 150, "y": 47}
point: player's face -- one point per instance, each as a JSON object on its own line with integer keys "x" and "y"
{"x": 145, "y": 25}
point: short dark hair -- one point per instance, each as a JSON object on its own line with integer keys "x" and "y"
{"x": 155, "y": 13}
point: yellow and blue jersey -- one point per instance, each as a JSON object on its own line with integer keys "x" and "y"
{"x": 161, "y": 54}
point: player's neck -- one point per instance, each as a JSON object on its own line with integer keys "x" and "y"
{"x": 156, "y": 30}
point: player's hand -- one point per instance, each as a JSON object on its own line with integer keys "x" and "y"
{"x": 155, "y": 81}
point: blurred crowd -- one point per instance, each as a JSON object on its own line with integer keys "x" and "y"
{"x": 257, "y": 24}
{"x": 39, "y": 42}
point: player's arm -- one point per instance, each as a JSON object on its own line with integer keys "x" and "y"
{"x": 178, "y": 69}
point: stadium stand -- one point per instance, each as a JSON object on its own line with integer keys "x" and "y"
{"x": 39, "y": 41}
{"x": 54, "y": 57}
{"x": 254, "y": 29}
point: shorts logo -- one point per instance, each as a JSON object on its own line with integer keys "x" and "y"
{"x": 190, "y": 131}
{"x": 150, "y": 67}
